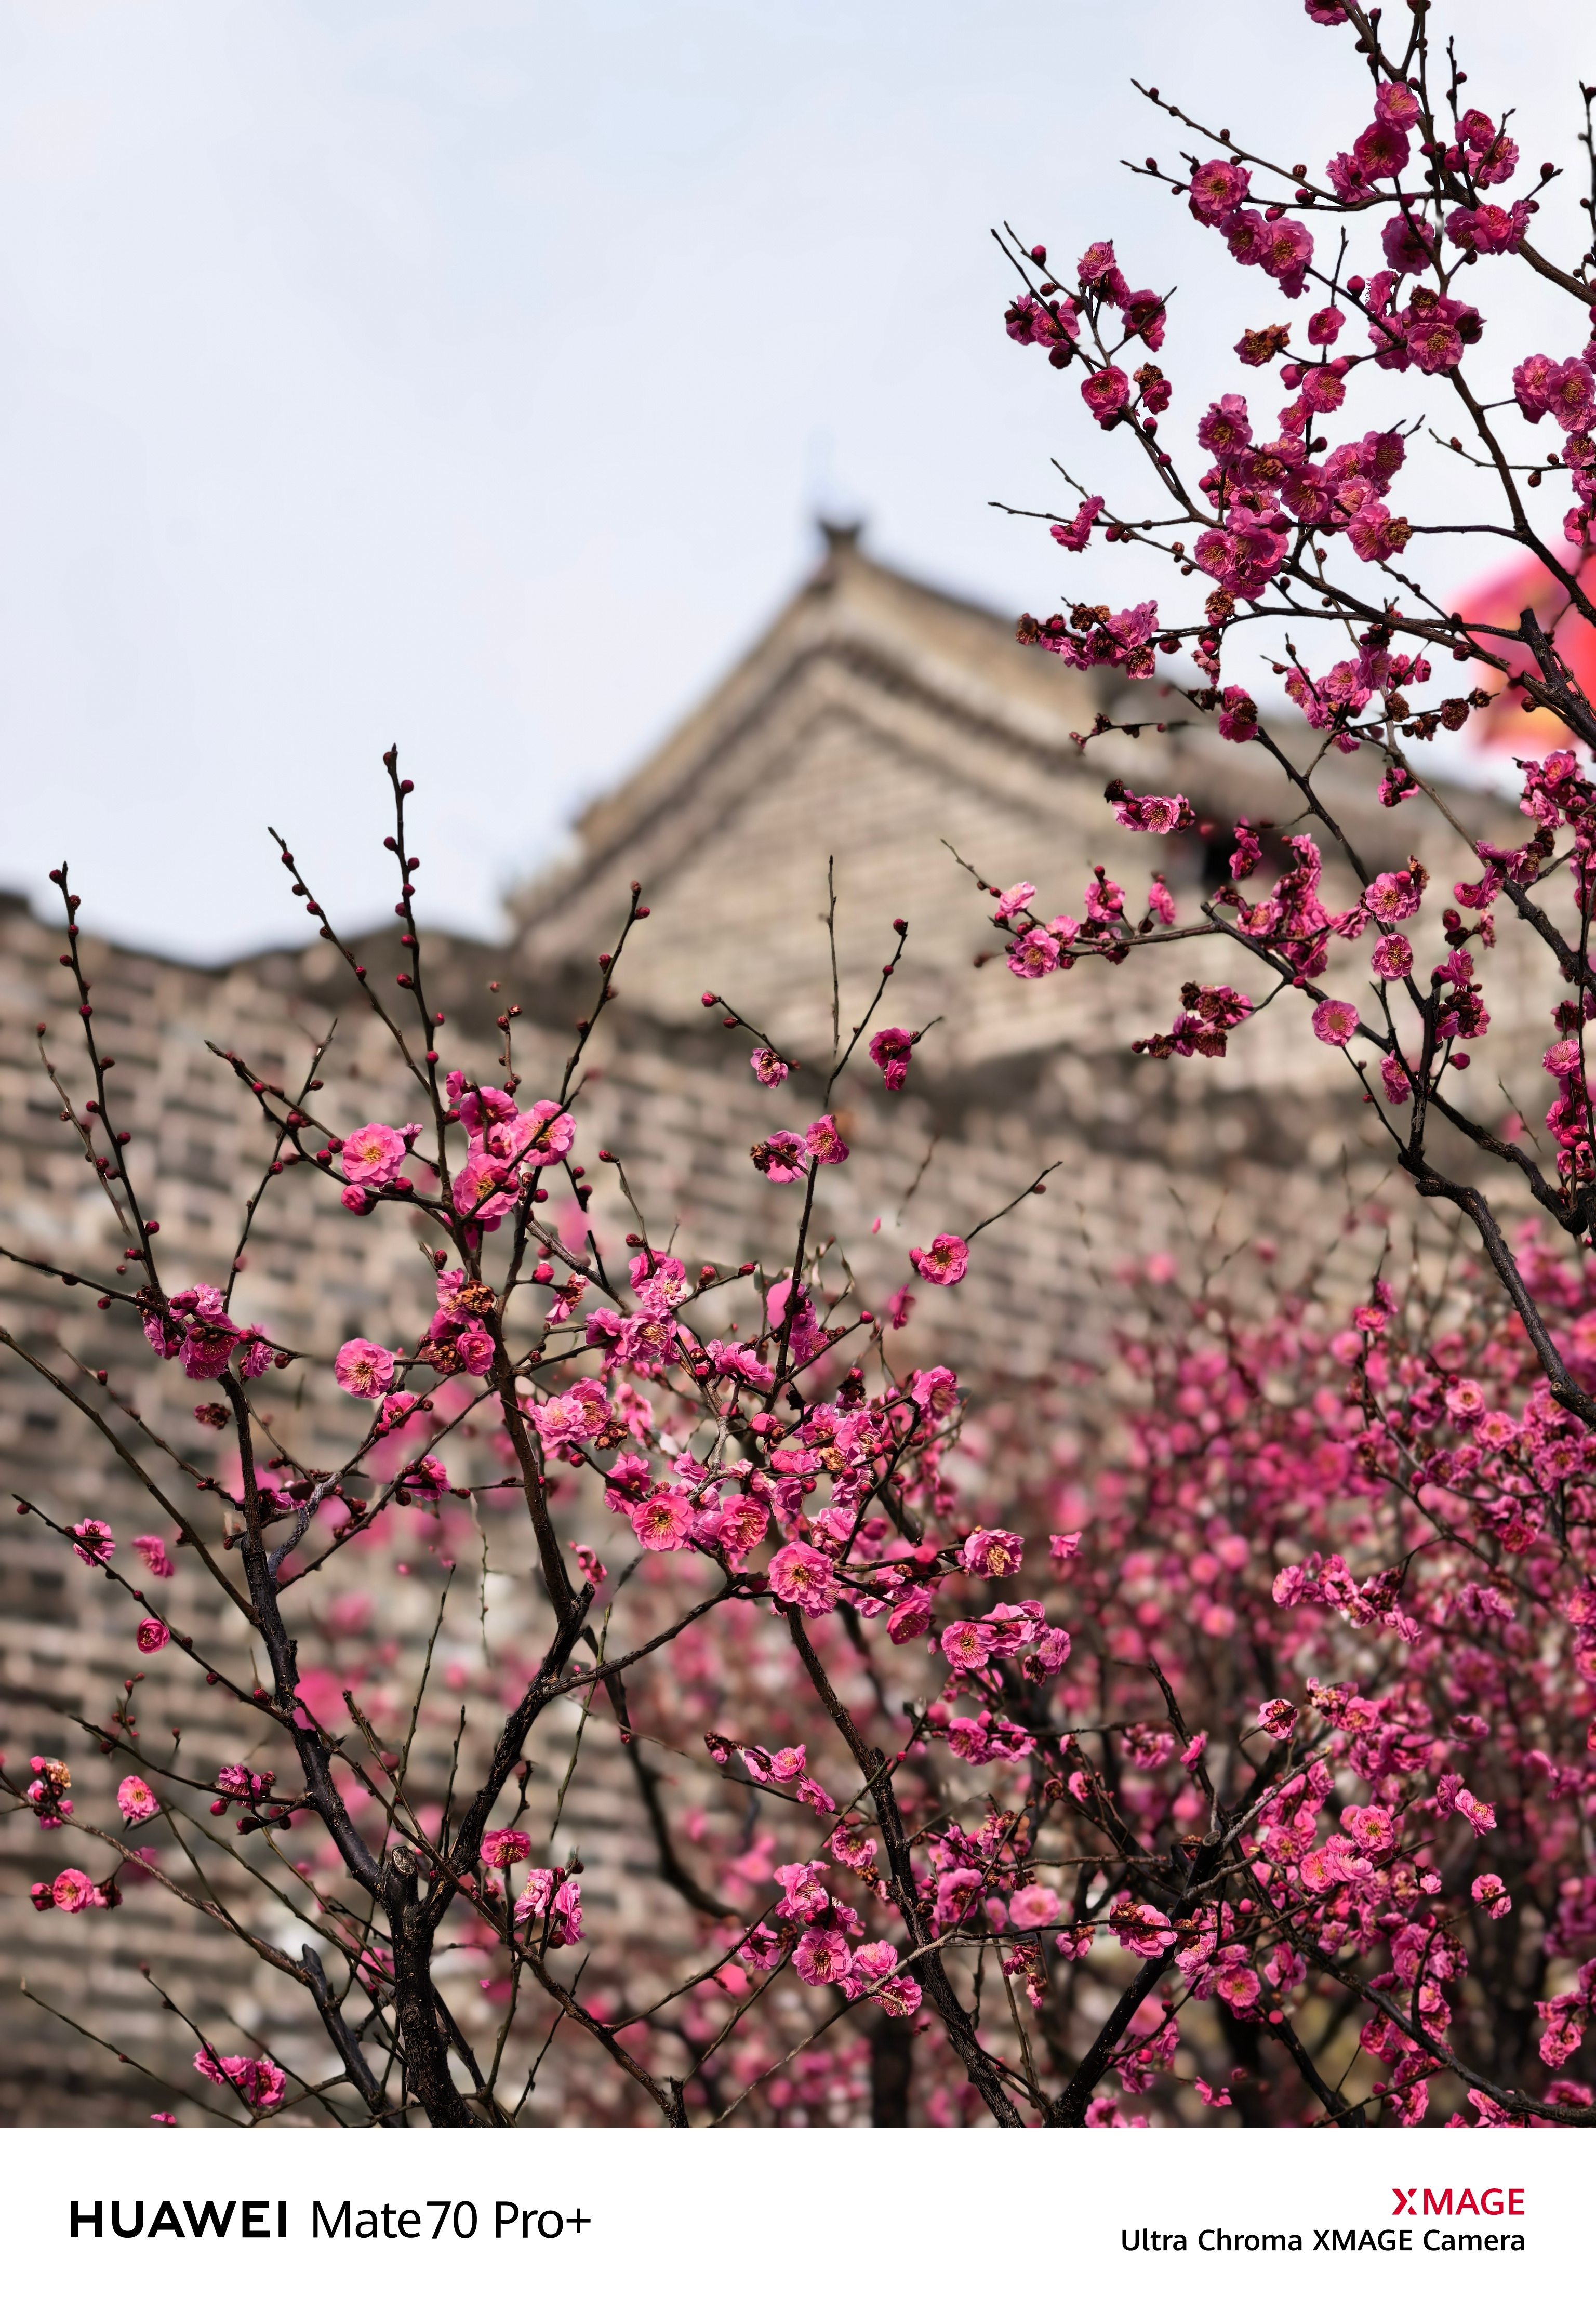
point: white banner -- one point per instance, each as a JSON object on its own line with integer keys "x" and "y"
{"x": 158, "y": 2222}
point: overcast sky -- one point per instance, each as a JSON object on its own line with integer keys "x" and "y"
{"x": 469, "y": 373}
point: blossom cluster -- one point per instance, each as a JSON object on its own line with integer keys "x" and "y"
{"x": 1296, "y": 518}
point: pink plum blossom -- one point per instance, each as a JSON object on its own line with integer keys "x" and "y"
{"x": 910, "y": 1617}
{"x": 1393, "y": 1074}
{"x": 889, "y": 1050}
{"x": 782, "y": 1157}
{"x": 75, "y": 1890}
{"x": 1034, "y": 954}
{"x": 936, "y": 1391}
{"x": 255, "y": 2079}
{"x": 1334, "y": 1022}
{"x": 1033, "y": 1906}
{"x": 743, "y": 1523}
{"x": 372, "y": 1155}
{"x": 1138, "y": 1926}
{"x": 967, "y": 1644}
{"x": 1492, "y": 1895}
{"x": 1075, "y": 535}
{"x": 548, "y": 1894}
{"x": 899, "y": 1996}
{"x": 824, "y": 1142}
{"x": 664, "y": 1520}
{"x": 363, "y": 1368}
{"x": 992, "y": 1553}
{"x": 482, "y": 1189}
{"x": 821, "y": 1958}
{"x": 1478, "y": 1813}
{"x": 1013, "y": 901}
{"x": 94, "y": 1543}
{"x": 1106, "y": 393}
{"x": 800, "y": 1576}
{"x": 503, "y": 1848}
{"x": 946, "y": 1261}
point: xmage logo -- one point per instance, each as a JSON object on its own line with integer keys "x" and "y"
{"x": 1491, "y": 2202}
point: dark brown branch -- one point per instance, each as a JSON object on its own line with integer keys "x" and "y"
{"x": 980, "y": 2069}
{"x": 648, "y": 1778}
{"x": 1469, "y": 1200}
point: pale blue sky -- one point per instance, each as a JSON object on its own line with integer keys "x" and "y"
{"x": 468, "y": 373}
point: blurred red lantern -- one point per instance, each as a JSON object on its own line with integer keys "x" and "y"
{"x": 1500, "y": 600}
